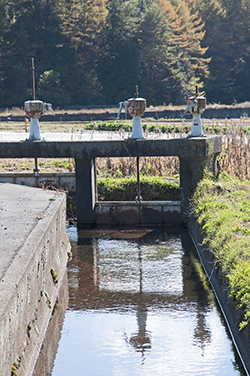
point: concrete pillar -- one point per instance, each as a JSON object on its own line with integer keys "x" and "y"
{"x": 86, "y": 192}
{"x": 191, "y": 172}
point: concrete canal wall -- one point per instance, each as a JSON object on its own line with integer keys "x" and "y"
{"x": 33, "y": 255}
{"x": 144, "y": 213}
{"x": 232, "y": 315}
{"x": 62, "y": 180}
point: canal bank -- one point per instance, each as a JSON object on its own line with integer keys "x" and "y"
{"x": 33, "y": 252}
{"x": 232, "y": 315}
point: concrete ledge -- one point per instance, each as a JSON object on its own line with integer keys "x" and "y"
{"x": 34, "y": 241}
{"x": 155, "y": 213}
{"x": 62, "y": 180}
{"x": 232, "y": 315}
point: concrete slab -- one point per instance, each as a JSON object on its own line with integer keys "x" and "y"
{"x": 81, "y": 135}
{"x": 21, "y": 209}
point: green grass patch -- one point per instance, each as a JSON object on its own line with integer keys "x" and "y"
{"x": 222, "y": 208}
{"x": 127, "y": 127}
{"x": 125, "y": 189}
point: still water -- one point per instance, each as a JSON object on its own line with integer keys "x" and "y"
{"x": 138, "y": 304}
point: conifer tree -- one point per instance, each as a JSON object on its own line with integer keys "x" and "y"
{"x": 82, "y": 22}
{"x": 32, "y": 32}
{"x": 213, "y": 13}
{"x": 188, "y": 33}
{"x": 158, "y": 58}
{"x": 118, "y": 62}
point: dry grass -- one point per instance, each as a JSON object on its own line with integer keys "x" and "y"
{"x": 234, "y": 159}
{"x": 149, "y": 166}
{"x": 19, "y": 111}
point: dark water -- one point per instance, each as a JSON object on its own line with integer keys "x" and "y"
{"x": 138, "y": 304}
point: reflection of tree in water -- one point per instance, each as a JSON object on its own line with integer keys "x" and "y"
{"x": 202, "y": 335}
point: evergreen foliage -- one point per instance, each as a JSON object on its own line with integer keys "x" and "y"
{"x": 95, "y": 51}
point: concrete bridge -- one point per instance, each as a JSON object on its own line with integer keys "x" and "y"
{"x": 195, "y": 155}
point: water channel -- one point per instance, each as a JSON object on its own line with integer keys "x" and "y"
{"x": 133, "y": 303}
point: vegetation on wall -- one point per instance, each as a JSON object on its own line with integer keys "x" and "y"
{"x": 222, "y": 208}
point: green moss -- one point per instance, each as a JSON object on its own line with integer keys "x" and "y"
{"x": 222, "y": 208}
{"x": 13, "y": 370}
{"x": 28, "y": 330}
{"x": 55, "y": 275}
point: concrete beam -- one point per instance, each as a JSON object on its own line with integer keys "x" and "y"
{"x": 180, "y": 147}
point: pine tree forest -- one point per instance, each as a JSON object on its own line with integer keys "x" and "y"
{"x": 93, "y": 52}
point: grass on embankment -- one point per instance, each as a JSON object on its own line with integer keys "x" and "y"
{"x": 152, "y": 188}
{"x": 222, "y": 208}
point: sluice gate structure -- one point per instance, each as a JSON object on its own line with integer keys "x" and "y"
{"x": 195, "y": 154}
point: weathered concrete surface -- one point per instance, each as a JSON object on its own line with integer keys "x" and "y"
{"x": 144, "y": 213}
{"x": 45, "y": 361}
{"x": 181, "y": 147}
{"x": 33, "y": 242}
{"x": 232, "y": 315}
{"x": 193, "y": 147}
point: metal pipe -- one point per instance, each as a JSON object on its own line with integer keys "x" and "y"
{"x": 136, "y": 94}
{"x": 36, "y": 169}
{"x": 32, "y": 69}
{"x": 138, "y": 179}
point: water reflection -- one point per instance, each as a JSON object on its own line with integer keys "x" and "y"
{"x": 138, "y": 293}
{"x": 140, "y": 341}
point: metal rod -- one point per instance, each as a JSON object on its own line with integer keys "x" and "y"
{"x": 32, "y": 69}
{"x": 196, "y": 90}
{"x": 138, "y": 179}
{"x": 36, "y": 169}
{"x": 136, "y": 91}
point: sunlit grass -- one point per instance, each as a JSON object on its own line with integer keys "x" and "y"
{"x": 222, "y": 208}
